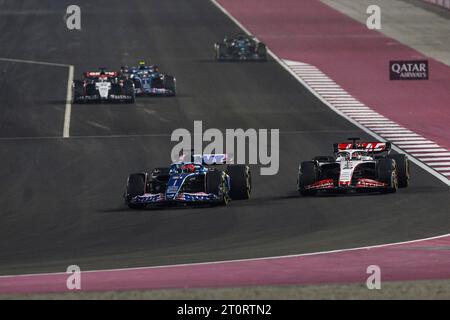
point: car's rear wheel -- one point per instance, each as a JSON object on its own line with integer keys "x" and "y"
{"x": 307, "y": 176}
{"x": 241, "y": 181}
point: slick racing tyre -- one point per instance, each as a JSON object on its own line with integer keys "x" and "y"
{"x": 241, "y": 181}
{"x": 387, "y": 173}
{"x": 91, "y": 90}
{"x": 128, "y": 90}
{"x": 403, "y": 172}
{"x": 262, "y": 51}
{"x": 220, "y": 51}
{"x": 170, "y": 84}
{"x": 116, "y": 89}
{"x": 78, "y": 91}
{"x": 135, "y": 187}
{"x": 137, "y": 83}
{"x": 308, "y": 175}
{"x": 215, "y": 184}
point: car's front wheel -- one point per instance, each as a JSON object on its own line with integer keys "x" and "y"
{"x": 215, "y": 184}
{"x": 220, "y": 51}
{"x": 308, "y": 175}
{"x": 170, "y": 84}
{"x": 403, "y": 173}
{"x": 135, "y": 187}
{"x": 128, "y": 90}
{"x": 78, "y": 91}
{"x": 387, "y": 173}
{"x": 262, "y": 51}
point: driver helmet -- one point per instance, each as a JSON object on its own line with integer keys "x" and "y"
{"x": 188, "y": 168}
{"x": 357, "y": 155}
{"x": 103, "y": 75}
{"x": 142, "y": 64}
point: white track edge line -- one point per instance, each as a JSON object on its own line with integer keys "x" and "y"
{"x": 68, "y": 107}
{"x": 35, "y": 62}
{"x": 238, "y": 260}
{"x": 68, "y": 110}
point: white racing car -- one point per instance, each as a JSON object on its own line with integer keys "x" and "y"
{"x": 103, "y": 86}
{"x": 355, "y": 166}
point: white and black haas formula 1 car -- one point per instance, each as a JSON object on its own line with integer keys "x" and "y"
{"x": 240, "y": 48}
{"x": 205, "y": 179}
{"x": 103, "y": 86}
{"x": 355, "y": 166}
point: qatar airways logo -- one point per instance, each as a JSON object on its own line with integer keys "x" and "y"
{"x": 409, "y": 70}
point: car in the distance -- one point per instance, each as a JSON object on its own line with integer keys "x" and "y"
{"x": 241, "y": 47}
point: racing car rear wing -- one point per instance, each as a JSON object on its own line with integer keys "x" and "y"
{"x": 211, "y": 159}
{"x": 375, "y": 147}
{"x": 96, "y": 74}
{"x": 206, "y": 159}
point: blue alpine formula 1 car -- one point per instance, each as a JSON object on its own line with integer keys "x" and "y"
{"x": 206, "y": 179}
{"x": 149, "y": 81}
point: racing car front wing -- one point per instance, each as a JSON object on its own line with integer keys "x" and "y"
{"x": 163, "y": 199}
{"x": 243, "y": 57}
{"x": 361, "y": 184}
{"x": 98, "y": 98}
{"x": 154, "y": 91}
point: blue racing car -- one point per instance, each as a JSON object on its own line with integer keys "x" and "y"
{"x": 148, "y": 80}
{"x": 205, "y": 179}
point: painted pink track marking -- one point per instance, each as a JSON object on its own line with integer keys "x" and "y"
{"x": 355, "y": 57}
{"x": 442, "y": 3}
{"x": 428, "y": 259}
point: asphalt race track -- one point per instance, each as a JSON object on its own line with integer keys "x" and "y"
{"x": 61, "y": 200}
